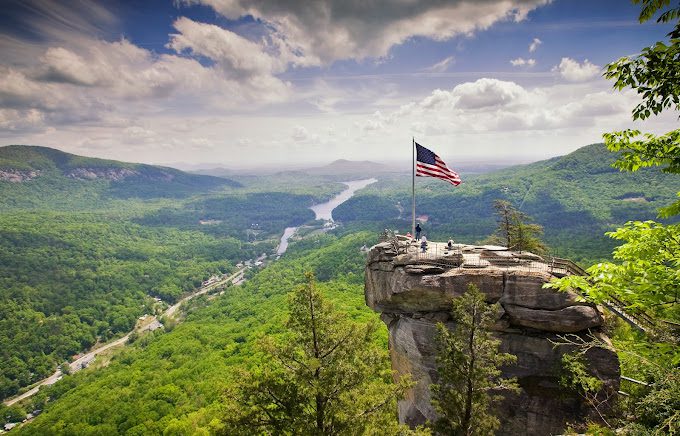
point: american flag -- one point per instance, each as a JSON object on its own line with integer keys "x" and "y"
{"x": 429, "y": 164}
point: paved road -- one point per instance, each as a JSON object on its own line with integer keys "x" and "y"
{"x": 85, "y": 359}
{"x": 170, "y": 312}
{"x": 75, "y": 366}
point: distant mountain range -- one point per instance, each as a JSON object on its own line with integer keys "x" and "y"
{"x": 32, "y": 176}
{"x": 576, "y": 197}
{"x": 340, "y": 169}
{"x": 343, "y": 169}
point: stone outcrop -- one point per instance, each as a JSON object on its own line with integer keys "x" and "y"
{"x": 413, "y": 291}
{"x": 113, "y": 174}
{"x": 17, "y": 176}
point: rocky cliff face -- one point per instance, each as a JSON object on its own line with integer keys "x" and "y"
{"x": 413, "y": 291}
{"x": 17, "y": 176}
{"x": 114, "y": 174}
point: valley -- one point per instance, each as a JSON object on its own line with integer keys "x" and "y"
{"x": 210, "y": 234}
{"x": 105, "y": 257}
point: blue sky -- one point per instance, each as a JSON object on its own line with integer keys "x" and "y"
{"x": 275, "y": 82}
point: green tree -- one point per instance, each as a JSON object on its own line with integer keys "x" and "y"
{"x": 324, "y": 376}
{"x": 648, "y": 275}
{"x": 516, "y": 230}
{"x": 468, "y": 364}
{"x": 659, "y": 408}
{"x": 655, "y": 75}
{"x": 655, "y": 72}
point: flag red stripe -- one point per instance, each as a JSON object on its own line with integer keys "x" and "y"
{"x": 439, "y": 175}
{"x": 436, "y": 170}
{"x": 453, "y": 182}
{"x": 431, "y": 170}
{"x": 443, "y": 169}
{"x": 449, "y": 177}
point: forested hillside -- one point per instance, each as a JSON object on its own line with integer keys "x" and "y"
{"x": 178, "y": 382}
{"x": 45, "y": 178}
{"x": 86, "y": 244}
{"x": 576, "y": 198}
{"x": 85, "y": 262}
{"x": 68, "y": 281}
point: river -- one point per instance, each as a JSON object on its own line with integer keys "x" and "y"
{"x": 324, "y": 211}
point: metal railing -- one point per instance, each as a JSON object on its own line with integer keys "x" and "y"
{"x": 439, "y": 254}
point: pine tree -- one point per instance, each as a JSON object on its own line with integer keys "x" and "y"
{"x": 516, "y": 230}
{"x": 468, "y": 364}
{"x": 325, "y": 376}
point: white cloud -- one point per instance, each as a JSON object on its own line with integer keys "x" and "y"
{"x": 138, "y": 134}
{"x": 441, "y": 66}
{"x": 59, "y": 21}
{"x": 23, "y": 121}
{"x": 487, "y": 93}
{"x": 520, "y": 62}
{"x": 234, "y": 54}
{"x": 62, "y": 65}
{"x": 534, "y": 45}
{"x": 202, "y": 102}
{"x": 202, "y": 143}
{"x": 300, "y": 134}
{"x": 329, "y": 30}
{"x": 375, "y": 122}
{"x": 489, "y": 105}
{"x": 94, "y": 80}
{"x": 574, "y": 71}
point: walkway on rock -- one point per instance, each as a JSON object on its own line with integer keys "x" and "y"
{"x": 439, "y": 255}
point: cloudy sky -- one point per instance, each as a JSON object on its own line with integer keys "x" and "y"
{"x": 290, "y": 82}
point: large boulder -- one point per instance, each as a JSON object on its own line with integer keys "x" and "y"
{"x": 413, "y": 295}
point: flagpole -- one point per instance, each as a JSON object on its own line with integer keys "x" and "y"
{"x": 413, "y": 187}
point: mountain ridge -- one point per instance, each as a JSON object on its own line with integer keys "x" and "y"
{"x": 33, "y": 174}
{"x": 576, "y": 198}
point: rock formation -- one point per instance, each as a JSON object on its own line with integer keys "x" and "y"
{"x": 113, "y": 174}
{"x": 17, "y": 176}
{"x": 413, "y": 290}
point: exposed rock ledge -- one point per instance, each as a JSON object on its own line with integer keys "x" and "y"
{"x": 113, "y": 174}
{"x": 413, "y": 292}
{"x": 18, "y": 176}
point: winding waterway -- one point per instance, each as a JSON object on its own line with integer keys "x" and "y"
{"x": 324, "y": 211}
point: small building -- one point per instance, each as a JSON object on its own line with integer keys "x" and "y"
{"x": 154, "y": 325}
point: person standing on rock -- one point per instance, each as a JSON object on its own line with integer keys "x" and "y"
{"x": 423, "y": 244}
{"x": 418, "y": 229}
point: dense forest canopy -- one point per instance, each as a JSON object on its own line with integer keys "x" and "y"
{"x": 85, "y": 264}
{"x": 179, "y": 380}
